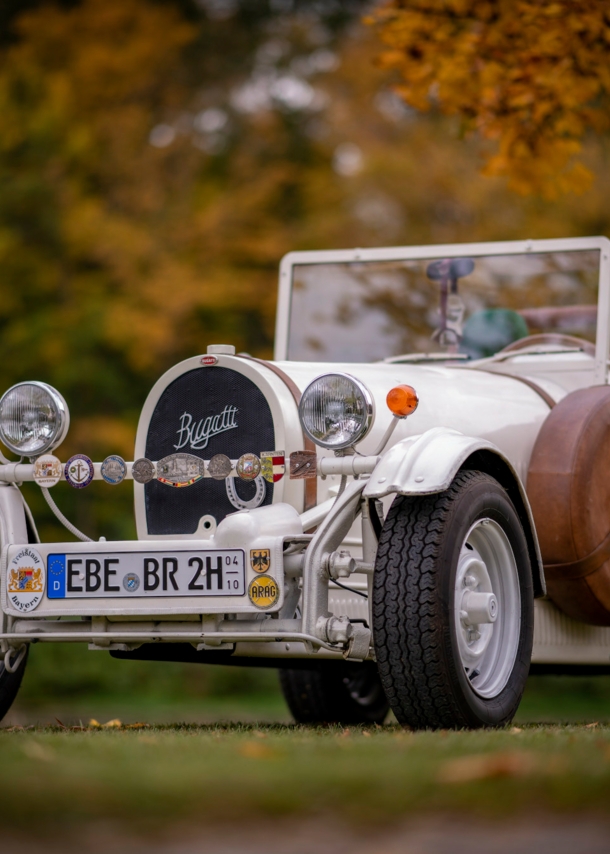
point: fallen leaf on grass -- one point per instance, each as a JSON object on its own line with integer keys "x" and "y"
{"x": 516, "y": 729}
{"x": 137, "y": 725}
{"x": 592, "y": 726}
{"x": 487, "y": 766}
{"x": 34, "y": 750}
{"x": 256, "y": 750}
{"x": 113, "y": 724}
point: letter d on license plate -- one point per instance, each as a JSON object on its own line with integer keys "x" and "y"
{"x": 142, "y": 574}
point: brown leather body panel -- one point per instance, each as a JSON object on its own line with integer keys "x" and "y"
{"x": 568, "y": 486}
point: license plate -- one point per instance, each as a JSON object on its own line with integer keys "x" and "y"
{"x": 143, "y": 574}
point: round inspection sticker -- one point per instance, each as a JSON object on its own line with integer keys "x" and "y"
{"x": 264, "y": 592}
{"x": 78, "y": 471}
{"x": 131, "y": 582}
{"x": 47, "y": 470}
{"x": 113, "y": 469}
{"x": 25, "y": 580}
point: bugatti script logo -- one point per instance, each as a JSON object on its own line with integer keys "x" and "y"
{"x": 197, "y": 434}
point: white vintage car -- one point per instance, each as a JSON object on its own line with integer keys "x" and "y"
{"x": 408, "y": 508}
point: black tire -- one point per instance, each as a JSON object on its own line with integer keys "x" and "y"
{"x": 342, "y": 693}
{"x": 414, "y": 618}
{"x": 9, "y": 684}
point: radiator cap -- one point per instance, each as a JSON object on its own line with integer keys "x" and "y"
{"x": 224, "y": 349}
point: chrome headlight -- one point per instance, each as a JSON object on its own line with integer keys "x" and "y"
{"x": 34, "y": 419}
{"x": 336, "y": 411}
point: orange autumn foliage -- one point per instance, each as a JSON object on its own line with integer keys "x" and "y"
{"x": 531, "y": 77}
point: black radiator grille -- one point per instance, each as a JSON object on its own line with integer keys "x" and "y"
{"x": 200, "y": 393}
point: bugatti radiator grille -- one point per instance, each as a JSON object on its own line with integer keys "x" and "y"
{"x": 206, "y": 411}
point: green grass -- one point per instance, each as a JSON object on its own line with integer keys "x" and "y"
{"x": 145, "y": 778}
{"x": 234, "y": 751}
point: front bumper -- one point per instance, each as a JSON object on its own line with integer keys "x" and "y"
{"x": 103, "y": 610}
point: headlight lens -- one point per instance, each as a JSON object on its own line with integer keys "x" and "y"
{"x": 34, "y": 419}
{"x": 336, "y": 411}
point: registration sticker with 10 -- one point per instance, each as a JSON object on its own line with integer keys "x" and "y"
{"x": 146, "y": 574}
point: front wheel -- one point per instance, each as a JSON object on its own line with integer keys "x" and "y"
{"x": 453, "y": 613}
{"x": 10, "y": 682}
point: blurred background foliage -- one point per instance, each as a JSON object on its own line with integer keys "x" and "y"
{"x": 533, "y": 78}
{"x": 158, "y": 157}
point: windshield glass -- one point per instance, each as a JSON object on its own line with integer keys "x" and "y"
{"x": 460, "y": 307}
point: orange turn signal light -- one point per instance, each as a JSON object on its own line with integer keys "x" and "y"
{"x": 402, "y": 400}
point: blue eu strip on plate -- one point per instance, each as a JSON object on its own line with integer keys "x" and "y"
{"x": 56, "y": 568}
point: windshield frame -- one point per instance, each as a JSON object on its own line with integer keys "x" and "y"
{"x": 457, "y": 250}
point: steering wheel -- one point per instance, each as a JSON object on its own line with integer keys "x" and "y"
{"x": 551, "y": 338}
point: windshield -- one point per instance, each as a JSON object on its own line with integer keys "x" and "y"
{"x": 465, "y": 308}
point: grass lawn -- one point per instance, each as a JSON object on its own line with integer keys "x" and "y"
{"x": 145, "y": 777}
{"x": 200, "y": 759}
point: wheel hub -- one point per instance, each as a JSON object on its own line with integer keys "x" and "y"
{"x": 487, "y": 608}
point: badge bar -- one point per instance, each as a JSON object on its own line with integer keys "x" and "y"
{"x": 176, "y": 470}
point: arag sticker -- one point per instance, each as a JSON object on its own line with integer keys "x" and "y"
{"x": 26, "y": 580}
{"x": 264, "y": 592}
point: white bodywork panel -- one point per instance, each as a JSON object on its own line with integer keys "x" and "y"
{"x": 497, "y": 409}
{"x": 423, "y": 464}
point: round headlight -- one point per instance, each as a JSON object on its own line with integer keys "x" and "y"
{"x": 336, "y": 411}
{"x": 34, "y": 419}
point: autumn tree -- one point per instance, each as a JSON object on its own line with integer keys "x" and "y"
{"x": 155, "y": 166}
{"x": 532, "y": 77}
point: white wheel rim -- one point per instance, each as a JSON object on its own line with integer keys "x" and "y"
{"x": 488, "y": 623}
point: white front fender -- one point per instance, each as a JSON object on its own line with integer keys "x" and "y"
{"x": 424, "y": 464}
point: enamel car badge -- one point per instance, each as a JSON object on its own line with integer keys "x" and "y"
{"x": 26, "y": 580}
{"x": 273, "y": 465}
{"x": 219, "y": 467}
{"x": 264, "y": 592}
{"x": 260, "y": 559}
{"x": 47, "y": 470}
{"x": 303, "y": 465}
{"x": 248, "y": 467}
{"x": 113, "y": 469}
{"x": 143, "y": 470}
{"x": 180, "y": 469}
{"x": 78, "y": 471}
